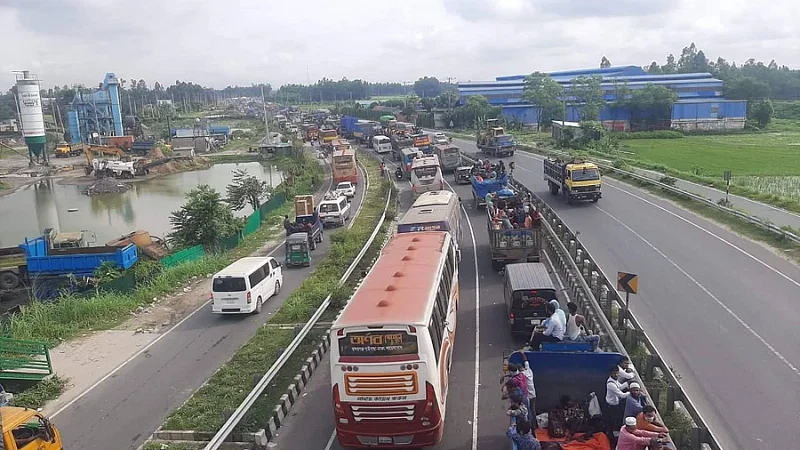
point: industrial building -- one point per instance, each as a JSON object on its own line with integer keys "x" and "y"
{"x": 97, "y": 114}
{"x": 700, "y": 105}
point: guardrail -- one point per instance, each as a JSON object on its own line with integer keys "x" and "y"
{"x": 754, "y": 220}
{"x": 595, "y": 293}
{"x": 238, "y": 415}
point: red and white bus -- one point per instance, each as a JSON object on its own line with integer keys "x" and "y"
{"x": 392, "y": 346}
{"x": 344, "y": 166}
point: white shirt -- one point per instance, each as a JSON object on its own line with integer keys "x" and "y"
{"x": 627, "y": 376}
{"x": 529, "y": 380}
{"x": 614, "y": 392}
{"x": 555, "y": 327}
{"x": 573, "y": 330}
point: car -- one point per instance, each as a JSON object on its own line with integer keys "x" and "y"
{"x": 244, "y": 286}
{"x": 347, "y": 189}
{"x": 440, "y": 138}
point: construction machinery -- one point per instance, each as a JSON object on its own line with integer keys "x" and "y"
{"x": 494, "y": 141}
{"x": 122, "y": 167}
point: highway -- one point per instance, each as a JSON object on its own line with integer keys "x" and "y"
{"x": 469, "y": 416}
{"x": 121, "y": 411}
{"x": 720, "y": 308}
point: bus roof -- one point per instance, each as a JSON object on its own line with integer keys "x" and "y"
{"x": 425, "y": 161}
{"x": 398, "y": 288}
{"x": 344, "y": 152}
{"x": 425, "y": 214}
{"x": 434, "y": 198}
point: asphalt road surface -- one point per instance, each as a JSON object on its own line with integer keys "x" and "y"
{"x": 122, "y": 411}
{"x": 310, "y": 423}
{"x": 721, "y": 309}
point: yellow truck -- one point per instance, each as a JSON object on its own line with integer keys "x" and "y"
{"x": 26, "y": 429}
{"x": 576, "y": 179}
{"x": 65, "y": 150}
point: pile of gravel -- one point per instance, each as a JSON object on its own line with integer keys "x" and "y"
{"x": 106, "y": 185}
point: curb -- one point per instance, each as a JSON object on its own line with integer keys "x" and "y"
{"x": 303, "y": 377}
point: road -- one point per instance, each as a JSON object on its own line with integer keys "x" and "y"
{"x": 720, "y": 308}
{"x": 717, "y": 306}
{"x": 122, "y": 411}
{"x": 310, "y": 424}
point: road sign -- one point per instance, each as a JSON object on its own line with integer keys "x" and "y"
{"x": 627, "y": 282}
{"x": 727, "y": 175}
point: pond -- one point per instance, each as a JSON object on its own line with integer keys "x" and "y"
{"x": 146, "y": 206}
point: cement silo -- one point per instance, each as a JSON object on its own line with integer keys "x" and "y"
{"x": 29, "y": 102}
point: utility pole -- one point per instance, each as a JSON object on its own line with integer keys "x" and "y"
{"x": 266, "y": 121}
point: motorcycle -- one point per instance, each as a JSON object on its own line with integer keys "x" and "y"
{"x": 398, "y": 174}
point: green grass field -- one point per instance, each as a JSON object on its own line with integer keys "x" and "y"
{"x": 762, "y": 154}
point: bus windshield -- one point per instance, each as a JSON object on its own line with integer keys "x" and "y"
{"x": 378, "y": 343}
{"x": 426, "y": 172}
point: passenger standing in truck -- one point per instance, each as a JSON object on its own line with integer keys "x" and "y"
{"x": 526, "y": 370}
{"x": 615, "y": 398}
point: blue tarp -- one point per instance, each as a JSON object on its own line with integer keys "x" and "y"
{"x": 482, "y": 188}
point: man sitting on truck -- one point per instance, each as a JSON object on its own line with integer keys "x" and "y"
{"x": 554, "y": 331}
{"x": 632, "y": 439}
{"x": 646, "y": 420}
{"x": 520, "y": 434}
{"x": 576, "y": 328}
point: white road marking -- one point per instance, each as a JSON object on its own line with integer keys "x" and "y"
{"x": 155, "y": 341}
{"x": 703, "y": 288}
{"x": 732, "y": 245}
{"x": 331, "y": 440}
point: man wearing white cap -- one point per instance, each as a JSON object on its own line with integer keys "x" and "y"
{"x": 632, "y": 439}
{"x": 635, "y": 401}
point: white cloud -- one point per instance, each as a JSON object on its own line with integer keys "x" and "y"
{"x": 250, "y": 41}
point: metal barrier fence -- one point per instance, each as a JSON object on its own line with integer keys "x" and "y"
{"x": 229, "y": 425}
{"x": 595, "y": 293}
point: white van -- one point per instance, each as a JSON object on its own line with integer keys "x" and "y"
{"x": 244, "y": 286}
{"x": 334, "y": 209}
{"x": 381, "y": 144}
{"x": 426, "y": 175}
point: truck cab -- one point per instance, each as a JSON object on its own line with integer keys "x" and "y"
{"x": 26, "y": 429}
{"x": 576, "y": 179}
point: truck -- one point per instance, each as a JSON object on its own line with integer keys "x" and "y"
{"x": 494, "y": 141}
{"x": 12, "y": 268}
{"x": 306, "y": 219}
{"x": 64, "y": 150}
{"x": 423, "y": 142}
{"x": 577, "y": 179}
{"x": 512, "y": 245}
{"x": 482, "y": 187}
{"x": 558, "y": 374}
{"x": 400, "y": 141}
{"x": 310, "y": 132}
{"x": 45, "y": 255}
{"x": 25, "y": 428}
{"x": 348, "y": 126}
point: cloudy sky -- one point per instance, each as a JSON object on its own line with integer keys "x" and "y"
{"x": 219, "y": 43}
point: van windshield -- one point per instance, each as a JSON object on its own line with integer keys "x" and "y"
{"x": 229, "y": 284}
{"x": 328, "y": 207}
{"x": 532, "y": 298}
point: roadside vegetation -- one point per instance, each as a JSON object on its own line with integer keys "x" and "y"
{"x": 4, "y": 186}
{"x": 228, "y": 387}
{"x": 72, "y": 315}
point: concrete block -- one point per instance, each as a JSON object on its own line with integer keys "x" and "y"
{"x": 278, "y": 415}
{"x": 291, "y": 392}
{"x": 299, "y": 382}
{"x": 285, "y": 404}
{"x": 311, "y": 365}
{"x": 260, "y": 439}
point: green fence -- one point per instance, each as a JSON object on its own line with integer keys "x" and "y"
{"x": 186, "y": 255}
{"x": 128, "y": 282}
{"x": 274, "y": 203}
{"x": 252, "y": 223}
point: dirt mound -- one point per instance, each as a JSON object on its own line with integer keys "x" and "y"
{"x": 155, "y": 153}
{"x": 106, "y": 186}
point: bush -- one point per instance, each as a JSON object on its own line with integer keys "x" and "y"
{"x": 670, "y": 181}
{"x": 661, "y": 134}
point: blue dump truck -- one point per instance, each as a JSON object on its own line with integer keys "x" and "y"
{"x": 560, "y": 372}
{"x": 42, "y": 258}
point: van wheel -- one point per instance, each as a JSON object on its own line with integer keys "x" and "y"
{"x": 259, "y": 304}
{"x": 277, "y": 288}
